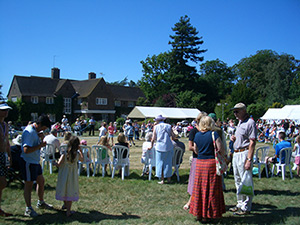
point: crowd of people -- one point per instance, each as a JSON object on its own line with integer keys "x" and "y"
{"x": 206, "y": 136}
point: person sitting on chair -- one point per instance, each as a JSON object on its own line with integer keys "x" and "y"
{"x": 280, "y": 145}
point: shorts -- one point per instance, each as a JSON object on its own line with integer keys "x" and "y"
{"x": 30, "y": 171}
{"x": 297, "y": 160}
{"x": 3, "y": 168}
{"x": 110, "y": 135}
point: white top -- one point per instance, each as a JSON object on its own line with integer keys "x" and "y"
{"x": 51, "y": 139}
{"x": 103, "y": 131}
{"x": 297, "y": 153}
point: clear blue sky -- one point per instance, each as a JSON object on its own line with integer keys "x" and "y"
{"x": 112, "y": 37}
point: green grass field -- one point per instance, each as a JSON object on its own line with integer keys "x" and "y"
{"x": 136, "y": 200}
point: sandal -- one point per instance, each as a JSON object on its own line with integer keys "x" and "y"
{"x": 4, "y": 214}
{"x": 186, "y": 207}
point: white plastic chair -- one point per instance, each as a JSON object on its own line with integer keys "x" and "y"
{"x": 177, "y": 160}
{"x": 118, "y": 161}
{"x": 288, "y": 153}
{"x": 63, "y": 149}
{"x": 101, "y": 157}
{"x": 49, "y": 156}
{"x": 86, "y": 160}
{"x": 149, "y": 162}
{"x": 260, "y": 159}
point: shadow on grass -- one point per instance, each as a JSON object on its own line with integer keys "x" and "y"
{"x": 263, "y": 214}
{"x": 276, "y": 192}
{"x": 80, "y": 217}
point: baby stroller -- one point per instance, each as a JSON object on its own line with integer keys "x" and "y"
{"x": 14, "y": 172}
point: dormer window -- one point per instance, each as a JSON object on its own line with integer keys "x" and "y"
{"x": 35, "y": 99}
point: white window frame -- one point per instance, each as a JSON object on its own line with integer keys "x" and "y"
{"x": 118, "y": 103}
{"x": 35, "y": 99}
{"x": 14, "y": 99}
{"x": 49, "y": 100}
{"x": 67, "y": 105}
{"x": 130, "y": 104}
{"x": 101, "y": 101}
{"x": 34, "y": 116}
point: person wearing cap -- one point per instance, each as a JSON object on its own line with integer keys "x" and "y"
{"x": 32, "y": 170}
{"x": 162, "y": 134}
{"x": 244, "y": 146}
{"x": 4, "y": 149}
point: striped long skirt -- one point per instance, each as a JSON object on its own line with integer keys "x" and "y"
{"x": 207, "y": 198}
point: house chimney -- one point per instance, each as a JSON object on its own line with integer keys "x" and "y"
{"x": 92, "y": 75}
{"x": 55, "y": 73}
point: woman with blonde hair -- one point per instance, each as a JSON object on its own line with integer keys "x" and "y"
{"x": 207, "y": 201}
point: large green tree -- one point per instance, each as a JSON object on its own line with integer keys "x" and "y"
{"x": 185, "y": 51}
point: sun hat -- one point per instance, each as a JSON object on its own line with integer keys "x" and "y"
{"x": 239, "y": 106}
{"x": 159, "y": 118}
{"x": 17, "y": 140}
{"x": 83, "y": 142}
{"x": 4, "y": 106}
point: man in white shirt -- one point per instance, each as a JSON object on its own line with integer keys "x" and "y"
{"x": 52, "y": 139}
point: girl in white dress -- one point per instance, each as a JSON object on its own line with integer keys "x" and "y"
{"x": 67, "y": 188}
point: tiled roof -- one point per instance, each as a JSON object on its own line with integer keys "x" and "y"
{"x": 126, "y": 93}
{"x": 85, "y": 87}
{"x": 36, "y": 86}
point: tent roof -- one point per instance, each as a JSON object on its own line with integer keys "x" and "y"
{"x": 172, "y": 113}
{"x": 291, "y": 112}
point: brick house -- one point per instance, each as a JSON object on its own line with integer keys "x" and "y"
{"x": 91, "y": 97}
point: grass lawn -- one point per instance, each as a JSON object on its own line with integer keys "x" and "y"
{"x": 136, "y": 200}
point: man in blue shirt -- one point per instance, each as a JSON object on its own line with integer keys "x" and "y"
{"x": 281, "y": 145}
{"x": 31, "y": 145}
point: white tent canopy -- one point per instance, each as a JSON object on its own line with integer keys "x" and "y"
{"x": 172, "y": 113}
{"x": 291, "y": 112}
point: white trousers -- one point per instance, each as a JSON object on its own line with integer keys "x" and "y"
{"x": 244, "y": 202}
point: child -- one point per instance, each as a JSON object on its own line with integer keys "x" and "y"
{"x": 129, "y": 130}
{"x": 111, "y": 132}
{"x": 297, "y": 155}
{"x": 104, "y": 142}
{"x": 67, "y": 188}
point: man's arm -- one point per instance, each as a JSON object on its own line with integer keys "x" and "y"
{"x": 28, "y": 149}
{"x": 250, "y": 154}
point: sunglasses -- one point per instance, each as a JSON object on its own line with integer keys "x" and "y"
{"x": 3, "y": 109}
{"x": 235, "y": 111}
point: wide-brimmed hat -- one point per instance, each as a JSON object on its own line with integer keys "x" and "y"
{"x": 160, "y": 118}
{"x": 239, "y": 106}
{"x": 4, "y": 105}
{"x": 17, "y": 140}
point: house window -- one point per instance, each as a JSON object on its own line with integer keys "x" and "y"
{"x": 101, "y": 101}
{"x": 34, "y": 116}
{"x": 67, "y": 105}
{"x": 130, "y": 104}
{"x": 14, "y": 99}
{"x": 34, "y": 99}
{"x": 49, "y": 100}
{"x": 117, "y": 103}
{"x": 79, "y": 101}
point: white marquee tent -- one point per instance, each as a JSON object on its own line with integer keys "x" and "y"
{"x": 171, "y": 113}
{"x": 291, "y": 112}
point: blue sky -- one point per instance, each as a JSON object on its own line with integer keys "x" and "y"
{"x": 110, "y": 38}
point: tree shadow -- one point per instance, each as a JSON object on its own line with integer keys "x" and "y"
{"x": 263, "y": 214}
{"x": 80, "y": 217}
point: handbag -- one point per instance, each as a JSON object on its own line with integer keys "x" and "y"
{"x": 221, "y": 165}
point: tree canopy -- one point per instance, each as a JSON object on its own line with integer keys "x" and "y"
{"x": 260, "y": 81}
